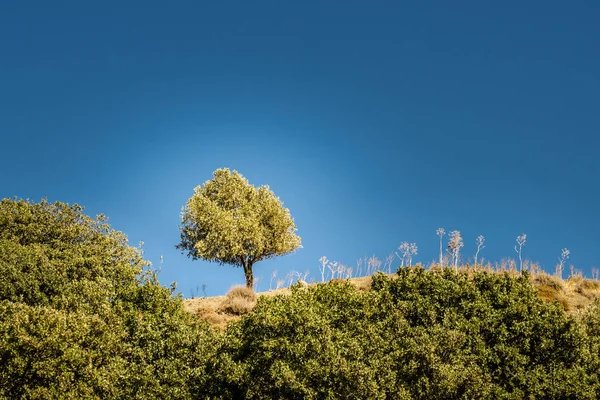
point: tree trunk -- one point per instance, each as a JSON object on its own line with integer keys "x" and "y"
{"x": 248, "y": 274}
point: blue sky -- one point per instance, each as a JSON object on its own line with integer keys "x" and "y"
{"x": 374, "y": 122}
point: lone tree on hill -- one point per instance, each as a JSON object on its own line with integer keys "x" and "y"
{"x": 229, "y": 221}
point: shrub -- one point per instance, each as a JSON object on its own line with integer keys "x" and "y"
{"x": 590, "y": 323}
{"x": 437, "y": 335}
{"x": 82, "y": 316}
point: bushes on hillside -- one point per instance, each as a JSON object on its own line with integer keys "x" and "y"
{"x": 80, "y": 316}
{"x": 590, "y": 322}
{"x": 433, "y": 334}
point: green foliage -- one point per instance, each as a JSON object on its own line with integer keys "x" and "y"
{"x": 524, "y": 347}
{"x": 590, "y": 321}
{"x": 54, "y": 255}
{"x": 81, "y": 316}
{"x": 306, "y": 345}
{"x": 47, "y": 353}
{"x": 435, "y": 335}
{"x": 229, "y": 221}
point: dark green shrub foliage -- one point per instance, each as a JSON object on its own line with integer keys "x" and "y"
{"x": 434, "y": 335}
{"x": 590, "y": 321}
{"x": 81, "y": 317}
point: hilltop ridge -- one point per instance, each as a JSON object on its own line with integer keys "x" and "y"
{"x": 573, "y": 294}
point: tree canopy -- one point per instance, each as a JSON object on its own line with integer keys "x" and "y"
{"x": 229, "y": 221}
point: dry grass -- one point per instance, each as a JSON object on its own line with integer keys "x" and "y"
{"x": 219, "y": 311}
{"x": 239, "y": 300}
{"x": 572, "y": 294}
{"x": 216, "y": 319}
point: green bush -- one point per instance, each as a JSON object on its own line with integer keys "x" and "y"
{"x": 590, "y": 322}
{"x": 81, "y": 316}
{"x": 435, "y": 335}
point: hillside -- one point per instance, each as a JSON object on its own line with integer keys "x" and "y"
{"x": 573, "y": 294}
{"x": 82, "y": 315}
{"x": 418, "y": 334}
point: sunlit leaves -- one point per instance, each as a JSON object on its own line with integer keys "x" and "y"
{"x": 229, "y": 221}
{"x": 82, "y": 317}
{"x": 422, "y": 334}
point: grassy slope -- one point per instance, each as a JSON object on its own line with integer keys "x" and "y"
{"x": 573, "y": 294}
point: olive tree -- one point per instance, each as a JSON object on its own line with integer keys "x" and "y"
{"x": 229, "y": 221}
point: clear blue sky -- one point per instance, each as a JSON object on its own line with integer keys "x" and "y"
{"x": 374, "y": 122}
